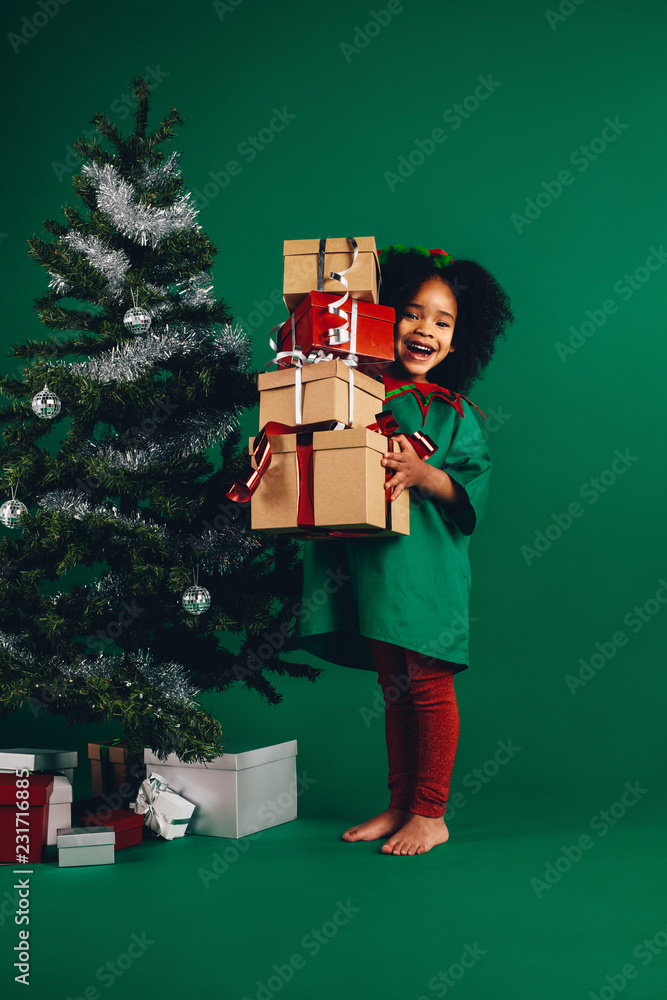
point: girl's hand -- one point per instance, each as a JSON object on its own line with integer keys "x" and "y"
{"x": 409, "y": 468}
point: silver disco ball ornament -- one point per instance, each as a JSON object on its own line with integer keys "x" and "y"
{"x": 196, "y": 600}
{"x": 46, "y": 404}
{"x": 11, "y": 512}
{"x": 137, "y": 320}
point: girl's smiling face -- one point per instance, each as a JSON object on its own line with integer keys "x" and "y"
{"x": 423, "y": 332}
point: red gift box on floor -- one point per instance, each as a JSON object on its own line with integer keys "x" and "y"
{"x": 311, "y": 327}
{"x": 23, "y": 831}
{"x": 127, "y": 825}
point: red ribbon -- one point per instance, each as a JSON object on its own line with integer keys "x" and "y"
{"x": 241, "y": 492}
{"x": 422, "y": 443}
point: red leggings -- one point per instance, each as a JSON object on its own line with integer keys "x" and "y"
{"x": 421, "y": 726}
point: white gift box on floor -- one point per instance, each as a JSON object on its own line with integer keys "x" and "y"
{"x": 82, "y": 845}
{"x": 241, "y": 792}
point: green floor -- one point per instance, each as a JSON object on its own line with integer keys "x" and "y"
{"x": 241, "y": 919}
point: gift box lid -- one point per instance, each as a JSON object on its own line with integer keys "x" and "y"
{"x": 246, "y": 753}
{"x": 352, "y": 437}
{"x": 322, "y": 369}
{"x": 320, "y": 300}
{"x": 40, "y": 788}
{"x": 85, "y": 837}
{"x": 334, "y": 244}
{"x": 38, "y": 760}
{"x": 119, "y": 819}
{"x": 115, "y": 751}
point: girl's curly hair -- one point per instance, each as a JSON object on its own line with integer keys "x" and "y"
{"x": 483, "y": 308}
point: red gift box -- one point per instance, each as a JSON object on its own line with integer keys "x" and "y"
{"x": 311, "y": 327}
{"x": 16, "y": 823}
{"x": 127, "y": 825}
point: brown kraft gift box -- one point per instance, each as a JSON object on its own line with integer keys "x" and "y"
{"x": 301, "y": 269}
{"x": 325, "y": 391}
{"x": 107, "y": 762}
{"x": 347, "y": 485}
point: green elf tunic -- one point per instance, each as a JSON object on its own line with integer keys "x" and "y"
{"x": 409, "y": 590}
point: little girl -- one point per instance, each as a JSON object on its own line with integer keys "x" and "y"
{"x": 400, "y": 604}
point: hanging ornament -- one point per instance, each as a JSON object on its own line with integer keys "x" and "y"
{"x": 196, "y": 599}
{"x": 12, "y": 510}
{"x": 46, "y": 404}
{"x": 137, "y": 319}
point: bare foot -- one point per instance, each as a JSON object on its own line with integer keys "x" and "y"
{"x": 417, "y": 836}
{"x": 386, "y": 822}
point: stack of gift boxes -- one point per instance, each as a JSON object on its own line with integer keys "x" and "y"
{"x": 36, "y": 807}
{"x": 317, "y": 460}
{"x": 242, "y": 792}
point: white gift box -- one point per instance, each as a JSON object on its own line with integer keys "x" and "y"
{"x": 238, "y": 793}
{"x": 166, "y": 813}
{"x": 86, "y": 846}
{"x": 60, "y": 807}
{"x": 31, "y": 759}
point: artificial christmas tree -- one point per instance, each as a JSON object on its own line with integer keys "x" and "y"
{"x": 121, "y": 510}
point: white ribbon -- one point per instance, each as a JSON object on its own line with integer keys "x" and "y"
{"x": 341, "y": 334}
{"x": 337, "y": 335}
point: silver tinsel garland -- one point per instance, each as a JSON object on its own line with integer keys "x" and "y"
{"x": 195, "y": 433}
{"x": 197, "y": 290}
{"x": 138, "y": 221}
{"x": 78, "y": 506}
{"x": 58, "y": 283}
{"x": 218, "y": 549}
{"x": 155, "y": 178}
{"x": 234, "y": 340}
{"x": 168, "y": 678}
{"x": 221, "y": 550}
{"x": 113, "y": 264}
{"x": 129, "y": 361}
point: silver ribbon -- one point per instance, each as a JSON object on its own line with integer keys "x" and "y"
{"x": 338, "y": 335}
{"x": 341, "y": 333}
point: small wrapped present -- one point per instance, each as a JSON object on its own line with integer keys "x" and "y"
{"x": 328, "y": 480}
{"x": 127, "y": 826}
{"x": 37, "y": 760}
{"x": 319, "y": 394}
{"x": 310, "y": 263}
{"x": 313, "y": 329}
{"x": 87, "y": 846}
{"x": 239, "y": 793}
{"x": 107, "y": 763}
{"x": 165, "y": 812}
{"x": 24, "y": 828}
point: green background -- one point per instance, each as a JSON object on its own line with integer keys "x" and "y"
{"x": 554, "y": 428}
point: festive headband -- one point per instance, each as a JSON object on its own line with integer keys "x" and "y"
{"x": 440, "y": 257}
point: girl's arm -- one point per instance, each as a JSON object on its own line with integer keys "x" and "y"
{"x": 410, "y": 470}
